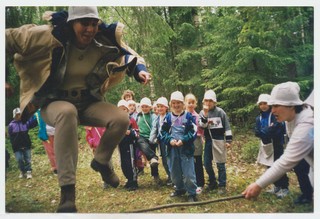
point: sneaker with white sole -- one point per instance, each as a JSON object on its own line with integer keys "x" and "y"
{"x": 29, "y": 175}
{"x": 274, "y": 190}
{"x": 282, "y": 193}
{"x": 199, "y": 190}
{"x": 21, "y": 175}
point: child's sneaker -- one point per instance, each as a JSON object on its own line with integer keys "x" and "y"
{"x": 222, "y": 190}
{"x": 274, "y": 190}
{"x": 21, "y": 175}
{"x": 29, "y": 175}
{"x": 282, "y": 193}
{"x": 192, "y": 198}
{"x": 199, "y": 190}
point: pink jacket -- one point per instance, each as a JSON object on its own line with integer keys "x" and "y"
{"x": 93, "y": 135}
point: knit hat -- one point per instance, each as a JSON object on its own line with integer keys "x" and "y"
{"x": 177, "y": 95}
{"x": 285, "y": 94}
{"x": 263, "y": 98}
{"x": 78, "y": 12}
{"x": 163, "y": 101}
{"x": 16, "y": 111}
{"x": 123, "y": 103}
{"x": 145, "y": 101}
{"x": 210, "y": 95}
{"x": 310, "y": 100}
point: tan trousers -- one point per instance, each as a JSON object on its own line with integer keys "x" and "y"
{"x": 65, "y": 117}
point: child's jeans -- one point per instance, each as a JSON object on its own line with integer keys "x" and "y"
{"x": 163, "y": 150}
{"x": 182, "y": 171}
{"x": 222, "y": 176}
{"x": 23, "y": 157}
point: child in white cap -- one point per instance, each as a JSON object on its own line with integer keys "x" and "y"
{"x": 21, "y": 142}
{"x": 145, "y": 120}
{"x": 162, "y": 108}
{"x": 218, "y": 136}
{"x": 178, "y": 134}
{"x": 271, "y": 134}
{"x": 287, "y": 106}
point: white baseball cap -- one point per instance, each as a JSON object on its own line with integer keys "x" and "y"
{"x": 16, "y": 111}
{"x": 123, "y": 103}
{"x": 78, "y": 12}
{"x": 210, "y": 95}
{"x": 263, "y": 98}
{"x": 163, "y": 101}
{"x": 177, "y": 95}
{"x": 285, "y": 94}
{"x": 145, "y": 101}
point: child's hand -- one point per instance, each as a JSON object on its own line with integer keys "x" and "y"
{"x": 173, "y": 142}
{"x": 205, "y": 110}
{"x": 128, "y": 132}
{"x": 179, "y": 143}
{"x": 228, "y": 145}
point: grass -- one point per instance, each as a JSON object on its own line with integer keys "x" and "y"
{"x": 42, "y": 193}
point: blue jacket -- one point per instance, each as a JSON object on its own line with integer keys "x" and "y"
{"x": 188, "y": 137}
{"x": 268, "y": 129}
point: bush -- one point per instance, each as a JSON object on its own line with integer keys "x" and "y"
{"x": 250, "y": 149}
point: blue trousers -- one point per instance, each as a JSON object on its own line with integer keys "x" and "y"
{"x": 182, "y": 171}
{"x": 23, "y": 157}
{"x": 222, "y": 175}
{"x": 163, "y": 150}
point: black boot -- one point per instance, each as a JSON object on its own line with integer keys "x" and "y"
{"x": 107, "y": 173}
{"x": 67, "y": 199}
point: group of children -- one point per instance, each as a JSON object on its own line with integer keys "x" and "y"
{"x": 178, "y": 132}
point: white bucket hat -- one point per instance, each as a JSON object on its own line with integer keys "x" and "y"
{"x": 123, "y": 103}
{"x": 177, "y": 95}
{"x": 285, "y": 94}
{"x": 131, "y": 102}
{"x": 145, "y": 101}
{"x": 78, "y": 12}
{"x": 210, "y": 95}
{"x": 163, "y": 101}
{"x": 16, "y": 111}
{"x": 263, "y": 98}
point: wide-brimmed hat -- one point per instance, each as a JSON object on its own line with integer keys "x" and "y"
{"x": 210, "y": 95}
{"x": 145, "y": 101}
{"x": 177, "y": 95}
{"x": 123, "y": 103}
{"x": 263, "y": 98}
{"x": 78, "y": 12}
{"x": 286, "y": 94}
{"x": 163, "y": 101}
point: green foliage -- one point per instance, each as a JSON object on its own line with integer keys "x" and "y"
{"x": 239, "y": 52}
{"x": 250, "y": 150}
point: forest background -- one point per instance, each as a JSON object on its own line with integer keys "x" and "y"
{"x": 239, "y": 52}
